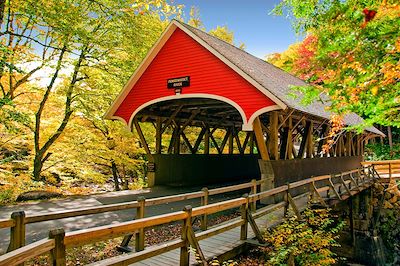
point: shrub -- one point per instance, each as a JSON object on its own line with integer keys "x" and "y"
{"x": 306, "y": 241}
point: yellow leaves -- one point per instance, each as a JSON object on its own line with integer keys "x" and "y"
{"x": 375, "y": 90}
{"x": 356, "y": 66}
{"x": 391, "y": 73}
{"x": 397, "y": 45}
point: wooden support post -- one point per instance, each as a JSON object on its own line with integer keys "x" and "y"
{"x": 207, "y": 140}
{"x": 348, "y": 143}
{"x": 230, "y": 141}
{"x": 177, "y": 141}
{"x": 251, "y": 144}
{"x": 187, "y": 223}
{"x": 57, "y": 254}
{"x": 304, "y": 139}
{"x": 225, "y": 139}
{"x": 246, "y": 141}
{"x": 139, "y": 237}
{"x": 322, "y": 140}
{"x": 239, "y": 145}
{"x": 262, "y": 147}
{"x": 204, "y": 201}
{"x": 243, "y": 212}
{"x": 286, "y": 199}
{"x": 284, "y": 143}
{"x": 310, "y": 142}
{"x": 289, "y": 143}
{"x": 17, "y": 232}
{"x": 198, "y": 140}
{"x": 273, "y": 140}
{"x": 158, "y": 135}
{"x": 351, "y": 222}
{"x": 141, "y": 136}
{"x": 254, "y": 191}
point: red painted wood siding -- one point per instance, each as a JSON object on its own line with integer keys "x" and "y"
{"x": 183, "y": 56}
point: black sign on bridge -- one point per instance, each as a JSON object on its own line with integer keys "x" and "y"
{"x": 178, "y": 82}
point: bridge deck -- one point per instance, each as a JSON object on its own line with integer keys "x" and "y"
{"x": 214, "y": 246}
{"x": 225, "y": 242}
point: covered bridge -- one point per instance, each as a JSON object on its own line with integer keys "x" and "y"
{"x": 237, "y": 106}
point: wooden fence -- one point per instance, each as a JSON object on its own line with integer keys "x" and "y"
{"x": 387, "y": 171}
{"x": 325, "y": 189}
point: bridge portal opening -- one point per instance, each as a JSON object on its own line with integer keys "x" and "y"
{"x": 198, "y": 141}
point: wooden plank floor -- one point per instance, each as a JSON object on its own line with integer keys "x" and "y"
{"x": 216, "y": 245}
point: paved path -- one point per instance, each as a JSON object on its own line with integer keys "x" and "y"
{"x": 40, "y": 230}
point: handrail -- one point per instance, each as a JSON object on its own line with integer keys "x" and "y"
{"x": 5, "y": 223}
{"x": 380, "y": 162}
{"x": 86, "y": 236}
{"x": 27, "y": 252}
{"x": 127, "y": 205}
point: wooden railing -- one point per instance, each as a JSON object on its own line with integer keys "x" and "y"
{"x": 18, "y": 221}
{"x": 326, "y": 190}
{"x": 386, "y": 170}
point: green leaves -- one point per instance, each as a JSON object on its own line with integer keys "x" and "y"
{"x": 355, "y": 59}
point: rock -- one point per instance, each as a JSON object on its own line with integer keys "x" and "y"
{"x": 37, "y": 195}
{"x": 20, "y": 166}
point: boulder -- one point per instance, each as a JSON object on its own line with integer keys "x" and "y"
{"x": 37, "y": 195}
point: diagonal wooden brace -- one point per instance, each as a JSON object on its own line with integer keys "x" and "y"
{"x": 255, "y": 228}
{"x": 195, "y": 244}
{"x": 332, "y": 186}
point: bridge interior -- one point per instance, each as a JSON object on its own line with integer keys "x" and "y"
{"x": 198, "y": 141}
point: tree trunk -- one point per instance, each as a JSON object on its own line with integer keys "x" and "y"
{"x": 37, "y": 168}
{"x": 390, "y": 139}
{"x": 115, "y": 176}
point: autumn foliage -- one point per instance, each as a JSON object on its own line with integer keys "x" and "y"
{"x": 351, "y": 52}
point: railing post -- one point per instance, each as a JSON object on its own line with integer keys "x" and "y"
{"x": 57, "y": 254}
{"x": 184, "y": 258}
{"x": 204, "y": 201}
{"x": 17, "y": 232}
{"x": 286, "y": 199}
{"x": 243, "y": 212}
{"x": 139, "y": 237}
{"x": 390, "y": 172}
{"x": 254, "y": 191}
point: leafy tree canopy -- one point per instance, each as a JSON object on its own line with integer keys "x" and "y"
{"x": 351, "y": 52}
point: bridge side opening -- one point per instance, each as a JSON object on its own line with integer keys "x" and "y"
{"x": 200, "y": 141}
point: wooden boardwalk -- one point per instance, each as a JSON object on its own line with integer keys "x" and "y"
{"x": 215, "y": 246}
{"x": 222, "y": 245}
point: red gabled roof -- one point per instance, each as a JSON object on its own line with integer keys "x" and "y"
{"x": 179, "y": 54}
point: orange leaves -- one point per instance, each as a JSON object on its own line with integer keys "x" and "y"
{"x": 391, "y": 73}
{"x": 337, "y": 126}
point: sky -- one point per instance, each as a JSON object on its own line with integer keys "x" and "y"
{"x": 262, "y": 33}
